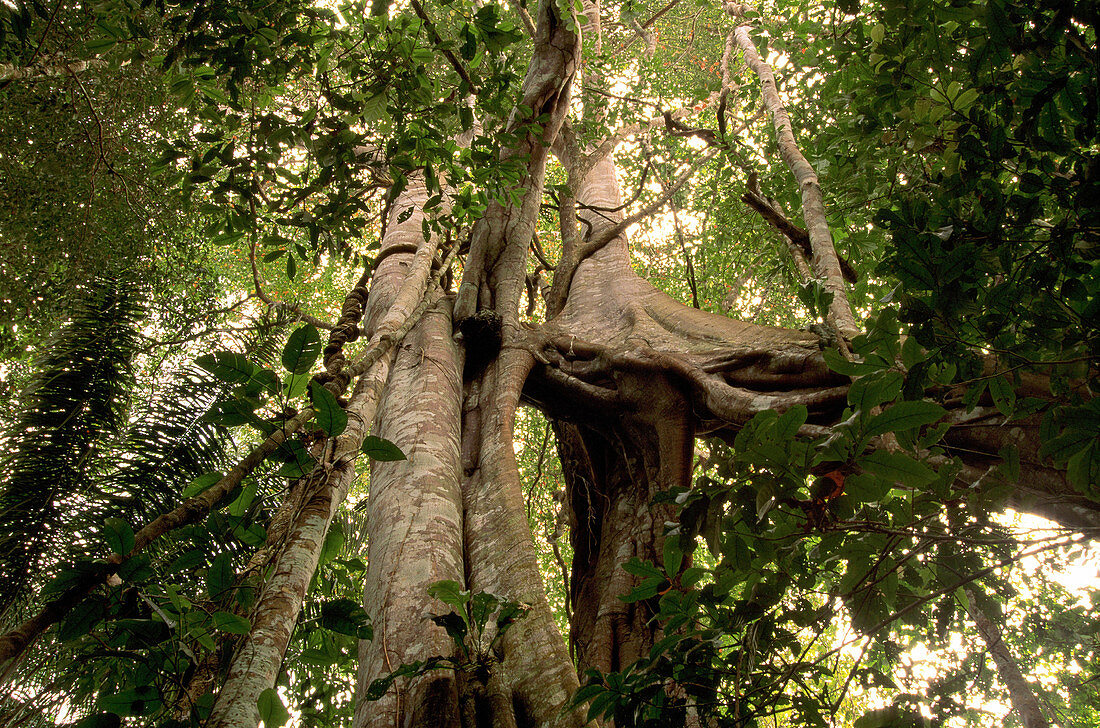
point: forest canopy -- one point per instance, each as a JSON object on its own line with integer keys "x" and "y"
{"x": 472, "y": 363}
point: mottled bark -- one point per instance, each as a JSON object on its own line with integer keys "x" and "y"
{"x": 415, "y": 524}
{"x": 401, "y": 282}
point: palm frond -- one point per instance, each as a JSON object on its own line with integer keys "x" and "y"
{"x": 74, "y": 404}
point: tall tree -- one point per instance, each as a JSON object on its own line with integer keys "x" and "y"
{"x": 945, "y": 366}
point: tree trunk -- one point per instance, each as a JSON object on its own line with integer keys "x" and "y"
{"x": 628, "y": 375}
{"x": 415, "y": 505}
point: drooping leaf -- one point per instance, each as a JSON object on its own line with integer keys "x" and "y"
{"x": 302, "y": 349}
{"x": 346, "y": 617}
{"x": 382, "y": 450}
{"x": 904, "y": 416}
{"x": 330, "y": 416}
{"x": 272, "y": 711}
{"x": 231, "y": 623}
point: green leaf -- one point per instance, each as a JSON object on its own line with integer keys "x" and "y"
{"x": 99, "y": 720}
{"x": 302, "y": 349}
{"x": 330, "y": 417}
{"x": 1083, "y": 469}
{"x": 456, "y": 627}
{"x": 141, "y": 700}
{"x": 345, "y": 616}
{"x": 1064, "y": 446}
{"x": 646, "y": 589}
{"x": 297, "y": 459}
{"x": 1010, "y": 462}
{"x": 872, "y": 390}
{"x": 382, "y": 450}
{"x": 897, "y": 467}
{"x": 291, "y": 267}
{"x": 272, "y": 711}
{"x": 334, "y": 542}
{"x": 673, "y": 555}
{"x": 836, "y": 361}
{"x": 228, "y": 366}
{"x": 482, "y": 606}
{"x": 905, "y": 416}
{"x": 295, "y": 385}
{"x": 219, "y": 577}
{"x": 450, "y": 592}
{"x": 1004, "y": 396}
{"x": 637, "y": 567}
{"x": 240, "y": 504}
{"x": 786, "y": 427}
{"x": 231, "y": 623}
{"x": 82, "y": 619}
{"x": 119, "y": 535}
{"x": 866, "y": 487}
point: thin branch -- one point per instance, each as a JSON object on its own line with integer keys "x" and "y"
{"x": 611, "y": 233}
{"x": 257, "y": 282}
{"x": 1019, "y": 692}
{"x": 826, "y": 262}
{"x": 447, "y": 53}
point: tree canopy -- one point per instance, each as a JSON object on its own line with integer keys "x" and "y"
{"x": 549, "y": 364}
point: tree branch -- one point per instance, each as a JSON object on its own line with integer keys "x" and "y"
{"x": 1019, "y": 692}
{"x": 825, "y": 259}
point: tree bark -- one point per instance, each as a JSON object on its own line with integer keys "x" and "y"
{"x": 1023, "y": 699}
{"x": 414, "y": 508}
{"x": 825, "y": 260}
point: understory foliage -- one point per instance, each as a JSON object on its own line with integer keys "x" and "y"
{"x": 838, "y": 565}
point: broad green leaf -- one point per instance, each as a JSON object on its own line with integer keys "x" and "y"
{"x": 904, "y": 416}
{"x": 872, "y": 390}
{"x": 119, "y": 535}
{"x": 450, "y": 592}
{"x": 141, "y": 700}
{"x": 219, "y": 577}
{"x": 231, "y": 623}
{"x": 1004, "y": 396}
{"x": 297, "y": 460}
{"x": 637, "y": 567}
{"x": 81, "y": 619}
{"x": 240, "y": 504}
{"x": 295, "y": 385}
{"x": 99, "y": 720}
{"x": 346, "y": 617}
{"x": 482, "y": 606}
{"x": 897, "y": 467}
{"x": 302, "y": 349}
{"x": 866, "y": 487}
{"x": 334, "y": 542}
{"x": 228, "y": 366}
{"x": 382, "y": 450}
{"x": 1083, "y": 469}
{"x": 786, "y": 427}
{"x": 673, "y": 555}
{"x": 330, "y": 416}
{"x": 1010, "y": 462}
{"x": 201, "y": 483}
{"x": 272, "y": 711}
{"x": 840, "y": 365}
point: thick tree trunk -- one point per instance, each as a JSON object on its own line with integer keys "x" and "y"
{"x": 415, "y": 505}
{"x": 630, "y": 377}
{"x": 531, "y": 679}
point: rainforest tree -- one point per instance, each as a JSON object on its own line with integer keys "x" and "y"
{"x": 805, "y": 292}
